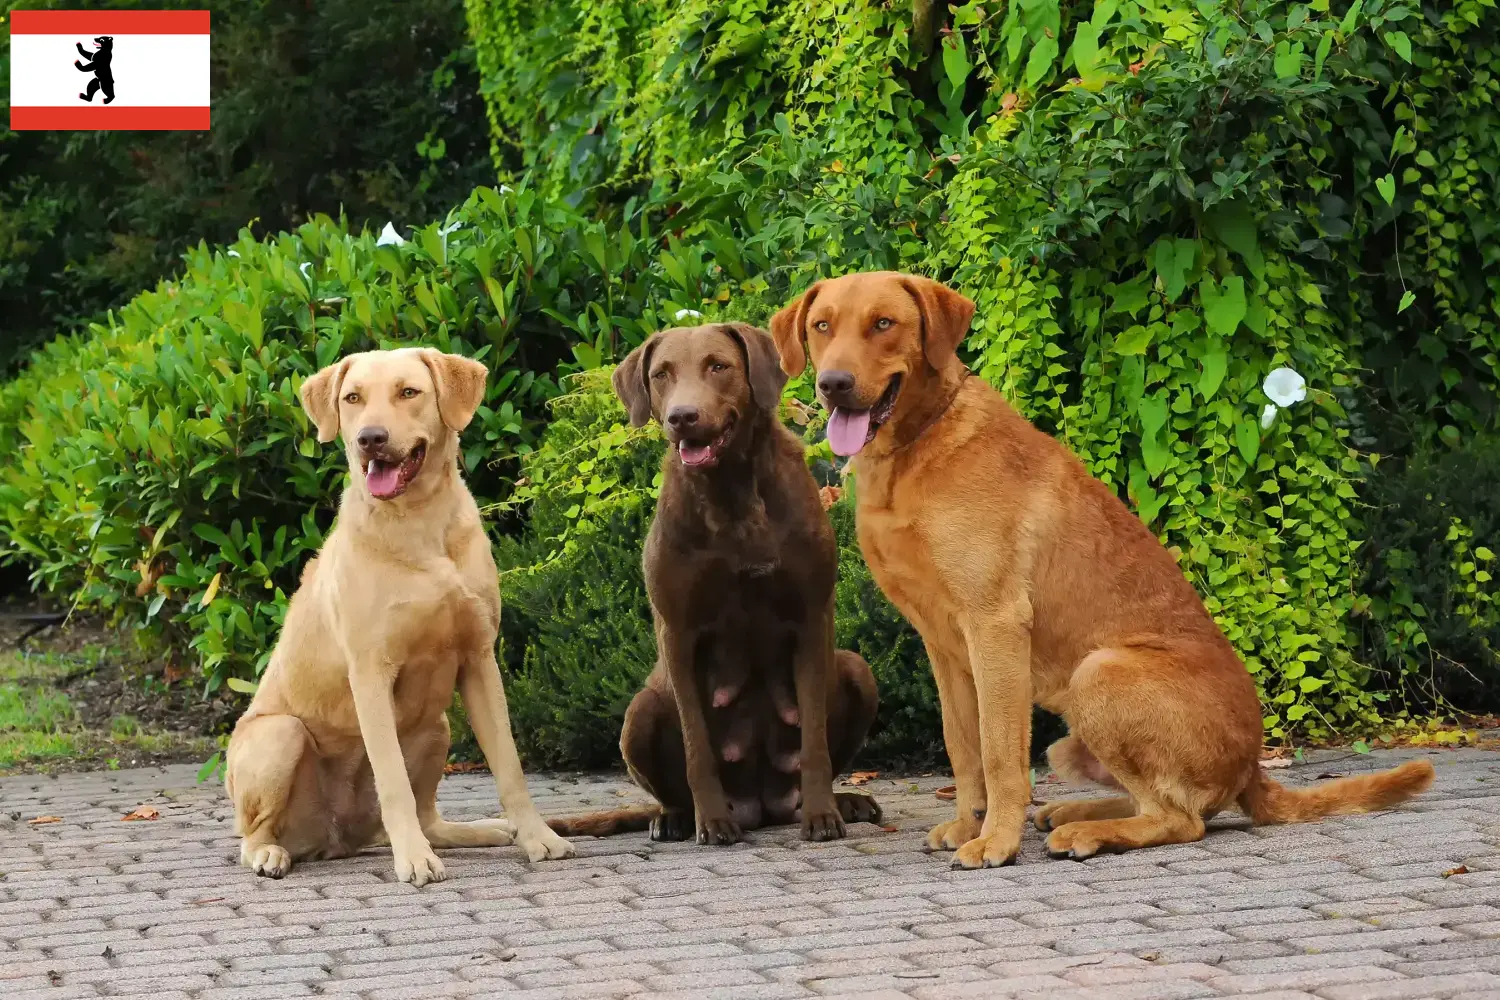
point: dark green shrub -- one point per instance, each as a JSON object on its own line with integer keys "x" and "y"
{"x": 1430, "y": 617}
{"x": 365, "y": 107}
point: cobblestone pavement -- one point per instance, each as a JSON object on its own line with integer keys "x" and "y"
{"x": 1397, "y": 905}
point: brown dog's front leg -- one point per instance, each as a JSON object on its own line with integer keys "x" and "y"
{"x": 712, "y": 808}
{"x": 813, "y": 672}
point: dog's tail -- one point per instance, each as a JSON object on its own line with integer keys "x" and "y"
{"x": 1265, "y": 801}
{"x": 605, "y": 824}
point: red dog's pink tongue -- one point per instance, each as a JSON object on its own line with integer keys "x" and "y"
{"x": 382, "y": 478}
{"x": 847, "y": 430}
{"x": 693, "y": 454}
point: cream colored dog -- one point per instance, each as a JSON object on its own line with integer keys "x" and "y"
{"x": 347, "y": 733}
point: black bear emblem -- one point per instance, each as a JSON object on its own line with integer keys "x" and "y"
{"x": 99, "y": 60}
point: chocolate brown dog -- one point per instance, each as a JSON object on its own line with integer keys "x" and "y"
{"x": 750, "y": 711}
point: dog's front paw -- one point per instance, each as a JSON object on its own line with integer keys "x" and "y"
{"x": 267, "y": 860}
{"x": 541, "y": 844}
{"x": 823, "y": 824}
{"x": 415, "y": 863}
{"x": 952, "y": 835}
{"x": 995, "y": 851}
{"x": 858, "y": 807}
{"x": 718, "y": 830}
{"x": 672, "y": 824}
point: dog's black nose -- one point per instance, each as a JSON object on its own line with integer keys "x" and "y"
{"x": 679, "y": 417}
{"x": 372, "y": 437}
{"x": 835, "y": 383}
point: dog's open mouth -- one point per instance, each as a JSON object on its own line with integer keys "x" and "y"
{"x": 850, "y": 430}
{"x": 699, "y": 455}
{"x": 386, "y": 479}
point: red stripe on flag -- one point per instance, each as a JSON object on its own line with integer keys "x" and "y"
{"x": 109, "y": 22}
{"x": 109, "y": 119}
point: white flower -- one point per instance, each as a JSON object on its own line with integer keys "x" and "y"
{"x": 1285, "y": 387}
{"x": 504, "y": 189}
{"x": 234, "y": 253}
{"x": 1267, "y": 415}
{"x": 304, "y": 268}
{"x": 684, "y": 313}
{"x": 389, "y": 237}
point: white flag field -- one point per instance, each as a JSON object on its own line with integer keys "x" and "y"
{"x": 113, "y": 69}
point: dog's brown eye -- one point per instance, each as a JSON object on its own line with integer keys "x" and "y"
{"x": 717, "y": 367}
{"x": 821, "y": 326}
{"x": 659, "y": 375}
{"x": 351, "y": 397}
{"x": 410, "y": 393}
{"x": 884, "y": 324}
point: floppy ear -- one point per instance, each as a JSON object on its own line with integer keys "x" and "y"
{"x": 459, "y": 382}
{"x": 761, "y": 364}
{"x": 320, "y": 398}
{"x": 789, "y": 331}
{"x": 945, "y": 318}
{"x": 631, "y": 381}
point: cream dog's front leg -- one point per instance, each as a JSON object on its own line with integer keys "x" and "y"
{"x": 415, "y": 862}
{"x": 484, "y": 700}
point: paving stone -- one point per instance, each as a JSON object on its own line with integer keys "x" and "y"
{"x": 1355, "y": 906}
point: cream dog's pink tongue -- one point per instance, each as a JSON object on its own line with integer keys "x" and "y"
{"x": 382, "y": 478}
{"x": 847, "y": 430}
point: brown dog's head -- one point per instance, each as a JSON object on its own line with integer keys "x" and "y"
{"x": 394, "y": 409}
{"x": 868, "y": 335}
{"x": 703, "y": 384}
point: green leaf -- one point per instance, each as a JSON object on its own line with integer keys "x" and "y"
{"x": 1387, "y": 187}
{"x": 1325, "y": 45}
{"x": 209, "y": 767}
{"x": 955, "y": 60}
{"x": 1360, "y": 746}
{"x": 1039, "y": 64}
{"x": 1223, "y": 308}
{"x": 241, "y": 685}
{"x": 1215, "y": 363}
{"x": 1288, "y": 61}
{"x": 307, "y": 448}
{"x": 1406, "y": 300}
{"x": 1086, "y": 50}
{"x": 1347, "y": 24}
{"x": 1247, "y": 437}
{"x": 1398, "y": 41}
{"x": 1134, "y": 340}
{"x": 1173, "y": 259}
{"x": 1235, "y": 227}
{"x": 1310, "y": 684}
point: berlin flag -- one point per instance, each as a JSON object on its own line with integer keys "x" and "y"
{"x": 109, "y": 69}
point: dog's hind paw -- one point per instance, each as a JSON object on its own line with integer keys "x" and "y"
{"x": 673, "y": 824}
{"x": 268, "y": 860}
{"x": 541, "y": 844}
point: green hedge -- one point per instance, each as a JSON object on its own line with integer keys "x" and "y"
{"x": 162, "y": 468}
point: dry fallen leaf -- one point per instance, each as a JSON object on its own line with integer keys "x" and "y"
{"x": 464, "y": 767}
{"x": 44, "y": 819}
{"x": 829, "y": 495}
{"x": 141, "y": 812}
{"x": 1460, "y": 870}
{"x": 1277, "y": 762}
{"x": 890, "y": 829}
{"x": 861, "y": 777}
{"x": 947, "y": 793}
{"x": 1330, "y": 774}
{"x": 211, "y": 899}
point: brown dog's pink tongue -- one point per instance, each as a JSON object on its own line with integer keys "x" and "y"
{"x": 382, "y": 478}
{"x": 847, "y": 430}
{"x": 693, "y": 454}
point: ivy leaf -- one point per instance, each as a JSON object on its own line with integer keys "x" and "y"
{"x": 1148, "y": 502}
{"x": 955, "y": 60}
{"x": 1295, "y": 19}
{"x": 1223, "y": 309}
{"x": 1325, "y": 45}
{"x": 1153, "y": 414}
{"x": 1103, "y": 11}
{"x": 1398, "y": 41}
{"x": 1406, "y": 300}
{"x": 1347, "y": 24}
{"x": 1134, "y": 340}
{"x": 1387, "y": 187}
{"x": 1086, "y": 50}
{"x": 1235, "y": 227}
{"x": 1215, "y": 363}
{"x": 1040, "y": 61}
{"x": 1360, "y": 746}
{"x": 1173, "y": 259}
{"x": 1247, "y": 437}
